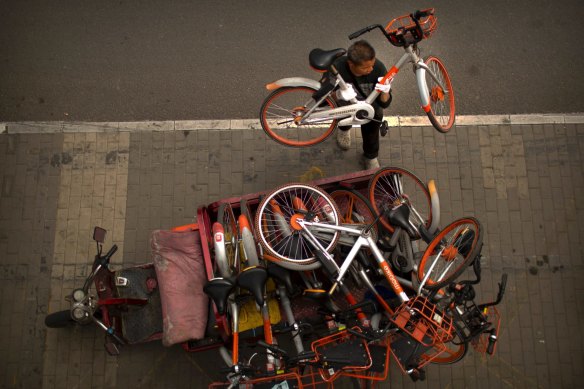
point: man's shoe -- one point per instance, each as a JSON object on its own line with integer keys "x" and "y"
{"x": 344, "y": 139}
{"x": 370, "y": 163}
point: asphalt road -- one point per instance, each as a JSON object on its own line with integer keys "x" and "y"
{"x": 181, "y": 60}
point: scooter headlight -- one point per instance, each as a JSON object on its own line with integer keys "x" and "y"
{"x": 78, "y": 295}
{"x": 78, "y": 313}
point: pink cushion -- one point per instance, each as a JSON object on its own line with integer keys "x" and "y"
{"x": 180, "y": 268}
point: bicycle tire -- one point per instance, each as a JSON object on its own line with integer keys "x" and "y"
{"x": 245, "y": 210}
{"x": 455, "y": 351}
{"x": 441, "y": 111}
{"x": 458, "y": 243}
{"x": 226, "y": 217}
{"x": 279, "y": 111}
{"x": 248, "y": 243}
{"x": 285, "y": 242}
{"x": 396, "y": 186}
{"x": 221, "y": 262}
{"x": 354, "y": 208}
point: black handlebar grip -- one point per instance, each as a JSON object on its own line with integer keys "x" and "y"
{"x": 362, "y": 31}
{"x": 109, "y": 254}
{"x": 492, "y": 341}
{"x": 503, "y": 282}
{"x": 360, "y": 334}
{"x": 357, "y": 33}
{"x": 421, "y": 14}
{"x": 272, "y": 347}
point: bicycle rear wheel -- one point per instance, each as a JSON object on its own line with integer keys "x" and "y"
{"x": 279, "y": 233}
{"x": 248, "y": 250}
{"x": 226, "y": 259}
{"x": 394, "y": 186}
{"x": 450, "y": 252}
{"x": 283, "y": 108}
{"x": 354, "y": 208}
{"x": 441, "y": 110}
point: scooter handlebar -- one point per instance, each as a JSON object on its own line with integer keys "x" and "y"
{"x": 106, "y": 258}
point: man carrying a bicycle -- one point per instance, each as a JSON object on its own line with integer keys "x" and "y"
{"x": 362, "y": 71}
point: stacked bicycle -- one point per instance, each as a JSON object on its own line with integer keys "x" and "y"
{"x": 361, "y": 272}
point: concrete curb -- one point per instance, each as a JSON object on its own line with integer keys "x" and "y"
{"x": 238, "y": 124}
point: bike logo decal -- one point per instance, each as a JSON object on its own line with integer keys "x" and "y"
{"x": 392, "y": 280}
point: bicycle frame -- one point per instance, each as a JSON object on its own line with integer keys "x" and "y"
{"x": 348, "y": 113}
{"x": 363, "y": 240}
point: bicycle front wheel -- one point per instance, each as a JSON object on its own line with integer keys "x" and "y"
{"x": 441, "y": 109}
{"x": 450, "y": 252}
{"x": 394, "y": 186}
{"x": 279, "y": 233}
{"x": 281, "y": 114}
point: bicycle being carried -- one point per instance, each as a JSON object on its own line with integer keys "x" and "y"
{"x": 303, "y": 112}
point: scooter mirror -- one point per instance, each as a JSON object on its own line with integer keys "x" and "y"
{"x": 99, "y": 234}
{"x": 112, "y": 348}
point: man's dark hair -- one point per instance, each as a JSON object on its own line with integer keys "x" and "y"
{"x": 360, "y": 52}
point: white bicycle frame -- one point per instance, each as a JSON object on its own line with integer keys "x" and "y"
{"x": 364, "y": 239}
{"x": 348, "y": 113}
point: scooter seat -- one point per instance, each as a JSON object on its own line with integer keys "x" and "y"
{"x": 219, "y": 290}
{"x": 254, "y": 279}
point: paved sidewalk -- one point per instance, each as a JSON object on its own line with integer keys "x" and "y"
{"x": 524, "y": 182}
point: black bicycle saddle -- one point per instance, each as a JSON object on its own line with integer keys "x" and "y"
{"x": 322, "y": 59}
{"x": 400, "y": 217}
{"x": 219, "y": 290}
{"x": 282, "y": 276}
{"x": 254, "y": 279}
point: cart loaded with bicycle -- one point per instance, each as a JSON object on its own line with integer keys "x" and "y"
{"x": 307, "y": 283}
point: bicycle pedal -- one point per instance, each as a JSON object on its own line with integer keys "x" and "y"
{"x": 384, "y": 128}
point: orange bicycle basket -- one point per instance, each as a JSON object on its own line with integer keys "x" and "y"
{"x": 481, "y": 343}
{"x": 347, "y": 343}
{"x": 398, "y": 27}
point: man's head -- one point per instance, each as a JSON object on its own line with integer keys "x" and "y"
{"x": 361, "y": 58}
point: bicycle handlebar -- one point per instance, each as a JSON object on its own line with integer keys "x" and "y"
{"x": 273, "y": 348}
{"x": 416, "y": 16}
{"x": 365, "y": 30}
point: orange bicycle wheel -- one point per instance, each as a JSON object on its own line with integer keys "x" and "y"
{"x": 282, "y": 111}
{"x": 227, "y": 220}
{"x": 354, "y": 208}
{"x": 450, "y": 252}
{"x": 442, "y": 108}
{"x": 279, "y": 232}
{"x": 393, "y": 186}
